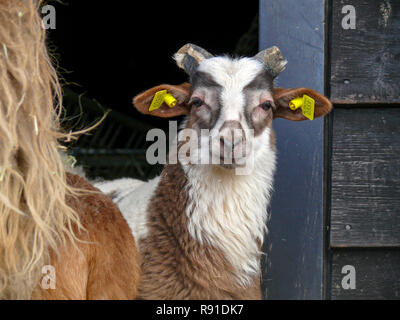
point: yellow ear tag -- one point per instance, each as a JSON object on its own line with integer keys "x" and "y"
{"x": 307, "y": 105}
{"x": 160, "y": 97}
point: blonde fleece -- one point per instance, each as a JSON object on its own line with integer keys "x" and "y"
{"x": 34, "y": 216}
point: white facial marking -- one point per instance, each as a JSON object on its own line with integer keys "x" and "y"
{"x": 233, "y": 75}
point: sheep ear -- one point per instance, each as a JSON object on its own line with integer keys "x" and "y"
{"x": 282, "y": 98}
{"x": 181, "y": 93}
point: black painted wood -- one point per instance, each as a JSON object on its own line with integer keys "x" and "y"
{"x": 365, "y": 195}
{"x": 293, "y": 268}
{"x": 365, "y": 62}
{"x": 377, "y": 273}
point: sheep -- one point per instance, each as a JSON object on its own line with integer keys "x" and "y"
{"x": 60, "y": 238}
{"x": 199, "y": 227}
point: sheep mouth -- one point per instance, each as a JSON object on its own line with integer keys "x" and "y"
{"x": 228, "y": 166}
{"x": 233, "y": 163}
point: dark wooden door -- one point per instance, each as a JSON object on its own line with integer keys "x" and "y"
{"x": 334, "y": 231}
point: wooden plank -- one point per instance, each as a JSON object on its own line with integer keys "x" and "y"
{"x": 365, "y": 61}
{"x": 365, "y": 197}
{"x": 294, "y": 245}
{"x": 377, "y": 274}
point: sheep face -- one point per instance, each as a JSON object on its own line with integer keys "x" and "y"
{"x": 231, "y": 110}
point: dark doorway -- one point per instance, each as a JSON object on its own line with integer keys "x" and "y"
{"x": 114, "y": 50}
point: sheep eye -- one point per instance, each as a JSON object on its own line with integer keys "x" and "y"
{"x": 266, "y": 105}
{"x": 196, "y": 102}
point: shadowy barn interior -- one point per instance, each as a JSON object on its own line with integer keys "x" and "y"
{"x": 337, "y": 191}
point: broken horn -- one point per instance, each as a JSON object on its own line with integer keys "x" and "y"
{"x": 273, "y": 60}
{"x": 189, "y": 56}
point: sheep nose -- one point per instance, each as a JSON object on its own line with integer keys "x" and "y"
{"x": 228, "y": 144}
{"x": 231, "y": 135}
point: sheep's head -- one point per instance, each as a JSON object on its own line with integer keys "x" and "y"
{"x": 231, "y": 102}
